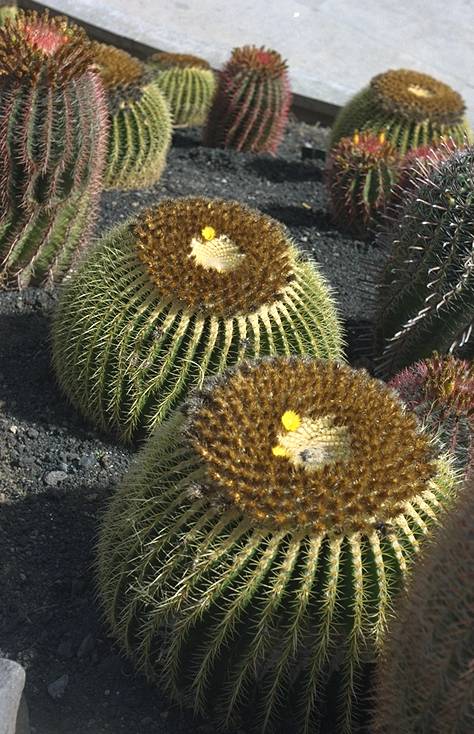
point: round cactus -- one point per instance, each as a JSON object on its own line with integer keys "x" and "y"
{"x": 188, "y": 83}
{"x": 53, "y": 131}
{"x": 249, "y": 560}
{"x": 140, "y": 120}
{"x": 360, "y": 174}
{"x": 427, "y": 296}
{"x": 251, "y": 104}
{"x": 189, "y": 287}
{"x": 426, "y": 674}
{"x": 411, "y": 108}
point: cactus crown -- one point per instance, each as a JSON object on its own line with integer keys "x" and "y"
{"x": 168, "y": 60}
{"x": 214, "y": 255}
{"x": 364, "y": 150}
{"x": 122, "y": 74}
{"x": 308, "y": 445}
{"x": 262, "y": 61}
{"x": 32, "y": 44}
{"x": 417, "y": 96}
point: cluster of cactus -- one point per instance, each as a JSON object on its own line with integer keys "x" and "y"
{"x": 252, "y": 101}
{"x": 426, "y": 674}
{"x": 427, "y": 296}
{"x": 250, "y": 558}
{"x": 190, "y": 286}
{"x": 188, "y": 84}
{"x": 140, "y": 120}
{"x": 411, "y": 108}
{"x": 53, "y": 127}
{"x": 360, "y": 174}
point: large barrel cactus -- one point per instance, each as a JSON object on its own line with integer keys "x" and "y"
{"x": 140, "y": 120}
{"x": 187, "y": 288}
{"x": 250, "y": 559}
{"x": 53, "y": 128}
{"x": 188, "y": 83}
{"x": 427, "y": 295}
{"x": 251, "y": 105}
{"x": 426, "y": 674}
{"x": 411, "y": 108}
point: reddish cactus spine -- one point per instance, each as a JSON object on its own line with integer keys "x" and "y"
{"x": 250, "y": 109}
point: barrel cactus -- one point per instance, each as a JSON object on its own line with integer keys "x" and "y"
{"x": 427, "y": 296}
{"x": 188, "y": 83}
{"x": 411, "y": 108}
{"x": 140, "y": 120}
{"x": 249, "y": 560}
{"x": 53, "y": 134}
{"x": 360, "y": 174}
{"x": 251, "y": 105}
{"x": 189, "y": 287}
{"x": 426, "y": 674}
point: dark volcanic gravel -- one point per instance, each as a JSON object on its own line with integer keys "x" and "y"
{"x": 56, "y": 473}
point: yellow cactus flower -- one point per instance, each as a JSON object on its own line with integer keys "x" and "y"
{"x": 208, "y": 233}
{"x": 279, "y": 451}
{"x": 291, "y": 420}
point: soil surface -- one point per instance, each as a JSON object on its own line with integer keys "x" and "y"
{"x": 56, "y": 473}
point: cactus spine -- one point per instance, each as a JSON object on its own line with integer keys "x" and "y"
{"x": 251, "y": 105}
{"x": 53, "y": 127}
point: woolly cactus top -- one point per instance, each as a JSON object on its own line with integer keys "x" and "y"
{"x": 122, "y": 74}
{"x": 417, "y": 96}
{"x": 32, "y": 44}
{"x": 166, "y": 60}
{"x": 309, "y": 445}
{"x": 262, "y": 61}
{"x": 212, "y": 255}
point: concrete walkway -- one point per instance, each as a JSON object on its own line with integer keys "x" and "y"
{"x": 333, "y": 46}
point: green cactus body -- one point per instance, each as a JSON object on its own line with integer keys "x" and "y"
{"x": 411, "y": 108}
{"x": 140, "y": 120}
{"x": 190, "y": 287}
{"x": 427, "y": 295}
{"x": 53, "y": 138}
{"x": 188, "y": 84}
{"x": 426, "y": 675}
{"x": 250, "y": 558}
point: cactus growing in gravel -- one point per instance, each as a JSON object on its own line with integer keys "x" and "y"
{"x": 250, "y": 559}
{"x": 411, "y": 108}
{"x": 426, "y": 674}
{"x": 251, "y": 105}
{"x": 187, "y": 288}
{"x": 426, "y": 300}
{"x": 140, "y": 120}
{"x": 188, "y": 83}
{"x": 53, "y": 127}
{"x": 360, "y": 174}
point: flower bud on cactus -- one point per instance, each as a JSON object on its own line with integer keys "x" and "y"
{"x": 252, "y": 101}
{"x": 427, "y": 296}
{"x": 140, "y": 120}
{"x": 188, "y": 83}
{"x": 53, "y": 128}
{"x": 360, "y": 174}
{"x": 250, "y": 559}
{"x": 411, "y": 108}
{"x": 187, "y": 288}
{"x": 426, "y": 674}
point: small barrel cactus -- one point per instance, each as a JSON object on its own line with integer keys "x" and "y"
{"x": 426, "y": 672}
{"x": 411, "y": 108}
{"x": 426, "y": 299}
{"x": 249, "y": 561}
{"x": 53, "y": 135}
{"x": 360, "y": 174}
{"x": 251, "y": 105}
{"x": 140, "y": 120}
{"x": 188, "y": 83}
{"x": 187, "y": 288}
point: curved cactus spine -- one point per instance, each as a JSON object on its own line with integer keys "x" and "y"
{"x": 188, "y": 84}
{"x": 427, "y": 295}
{"x": 411, "y": 108}
{"x": 191, "y": 286}
{"x": 261, "y": 536}
{"x": 53, "y": 128}
{"x": 140, "y": 120}
{"x": 426, "y": 676}
{"x": 251, "y": 105}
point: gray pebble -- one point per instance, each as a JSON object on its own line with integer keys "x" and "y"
{"x": 57, "y": 688}
{"x": 53, "y": 478}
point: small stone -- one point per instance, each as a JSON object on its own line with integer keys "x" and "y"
{"x": 32, "y": 433}
{"x": 64, "y": 467}
{"x": 12, "y": 680}
{"x": 57, "y": 688}
{"x": 86, "y": 647}
{"x": 87, "y": 461}
{"x": 13, "y": 429}
{"x": 53, "y": 478}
